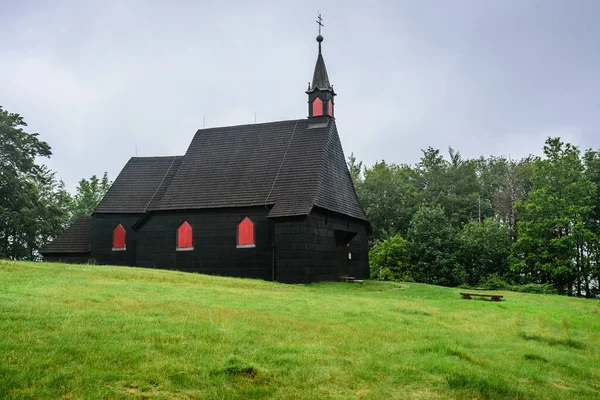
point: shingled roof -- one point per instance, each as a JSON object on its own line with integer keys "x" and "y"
{"x": 76, "y": 239}
{"x": 140, "y": 185}
{"x": 292, "y": 165}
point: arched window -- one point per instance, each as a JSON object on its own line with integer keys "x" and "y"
{"x": 184, "y": 237}
{"x": 245, "y": 233}
{"x": 119, "y": 238}
{"x": 330, "y": 108}
{"x": 317, "y": 107}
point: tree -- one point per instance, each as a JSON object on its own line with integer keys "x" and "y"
{"x": 591, "y": 274}
{"x": 513, "y": 185}
{"x": 355, "y": 168}
{"x": 452, "y": 184}
{"x": 433, "y": 246}
{"x": 553, "y": 220}
{"x": 484, "y": 250}
{"x": 89, "y": 193}
{"x": 390, "y": 260}
{"x": 389, "y": 196}
{"x": 32, "y": 202}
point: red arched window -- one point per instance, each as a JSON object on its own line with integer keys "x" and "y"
{"x": 184, "y": 237}
{"x": 317, "y": 107}
{"x": 330, "y": 108}
{"x": 245, "y": 233}
{"x": 119, "y": 238}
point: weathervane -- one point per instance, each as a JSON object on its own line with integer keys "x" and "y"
{"x": 320, "y": 22}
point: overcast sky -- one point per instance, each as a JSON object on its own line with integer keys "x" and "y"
{"x": 99, "y": 79}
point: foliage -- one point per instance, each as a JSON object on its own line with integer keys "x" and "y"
{"x": 98, "y": 332}
{"x": 33, "y": 204}
{"x": 554, "y": 239}
{"x": 495, "y": 282}
{"x": 89, "y": 193}
{"x": 483, "y": 250}
{"x": 539, "y": 288}
{"x": 389, "y": 196}
{"x": 433, "y": 248}
{"x": 533, "y": 220}
{"x": 390, "y": 260}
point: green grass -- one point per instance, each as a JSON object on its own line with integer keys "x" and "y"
{"x": 86, "y": 332}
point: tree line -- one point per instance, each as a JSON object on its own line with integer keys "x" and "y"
{"x": 531, "y": 224}
{"x": 34, "y": 205}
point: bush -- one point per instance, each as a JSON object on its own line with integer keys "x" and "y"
{"x": 539, "y": 288}
{"x": 494, "y": 282}
{"x": 390, "y": 260}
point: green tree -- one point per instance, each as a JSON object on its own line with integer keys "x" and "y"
{"x": 390, "y": 260}
{"x": 434, "y": 246}
{"x": 591, "y": 274}
{"x": 32, "y": 202}
{"x": 484, "y": 250}
{"x": 452, "y": 184}
{"x": 89, "y": 193}
{"x": 389, "y": 196}
{"x": 355, "y": 168}
{"x": 513, "y": 184}
{"x": 552, "y": 221}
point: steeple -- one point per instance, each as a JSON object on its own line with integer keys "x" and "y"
{"x": 320, "y": 92}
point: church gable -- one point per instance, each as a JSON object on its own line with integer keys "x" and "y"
{"x": 336, "y": 191}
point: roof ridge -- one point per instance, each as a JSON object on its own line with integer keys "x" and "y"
{"x": 161, "y": 182}
{"x": 251, "y": 124}
{"x": 323, "y": 158}
{"x": 152, "y": 157}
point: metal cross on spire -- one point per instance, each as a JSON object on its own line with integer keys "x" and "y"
{"x": 320, "y": 22}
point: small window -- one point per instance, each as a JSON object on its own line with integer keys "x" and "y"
{"x": 184, "y": 237}
{"x": 317, "y": 107}
{"x": 245, "y": 233}
{"x": 330, "y": 108}
{"x": 119, "y": 238}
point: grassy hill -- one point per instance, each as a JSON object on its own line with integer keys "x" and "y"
{"x": 90, "y": 332}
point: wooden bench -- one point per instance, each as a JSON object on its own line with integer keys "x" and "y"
{"x": 494, "y": 297}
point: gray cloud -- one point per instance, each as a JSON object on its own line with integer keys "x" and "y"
{"x": 98, "y": 80}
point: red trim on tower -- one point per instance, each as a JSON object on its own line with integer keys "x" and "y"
{"x": 245, "y": 234}
{"x": 330, "y": 108}
{"x": 317, "y": 107}
{"x": 184, "y": 236}
{"x": 119, "y": 238}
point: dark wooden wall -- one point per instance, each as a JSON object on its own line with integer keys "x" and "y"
{"x": 290, "y": 246}
{"x": 102, "y": 239}
{"x": 323, "y": 253}
{"x": 307, "y": 250}
{"x": 305, "y": 247}
{"x": 214, "y": 240}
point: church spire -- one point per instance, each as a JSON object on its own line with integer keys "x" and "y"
{"x": 320, "y": 92}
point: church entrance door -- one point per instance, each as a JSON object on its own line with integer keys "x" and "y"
{"x": 342, "y": 248}
{"x": 342, "y": 260}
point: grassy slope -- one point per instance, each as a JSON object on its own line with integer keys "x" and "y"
{"x": 109, "y": 332}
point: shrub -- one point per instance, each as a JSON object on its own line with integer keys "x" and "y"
{"x": 494, "y": 282}
{"x": 390, "y": 260}
{"x": 539, "y": 288}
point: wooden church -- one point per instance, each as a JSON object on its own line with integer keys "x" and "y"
{"x": 273, "y": 201}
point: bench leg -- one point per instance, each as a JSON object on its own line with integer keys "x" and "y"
{"x": 466, "y": 297}
{"x": 494, "y": 298}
